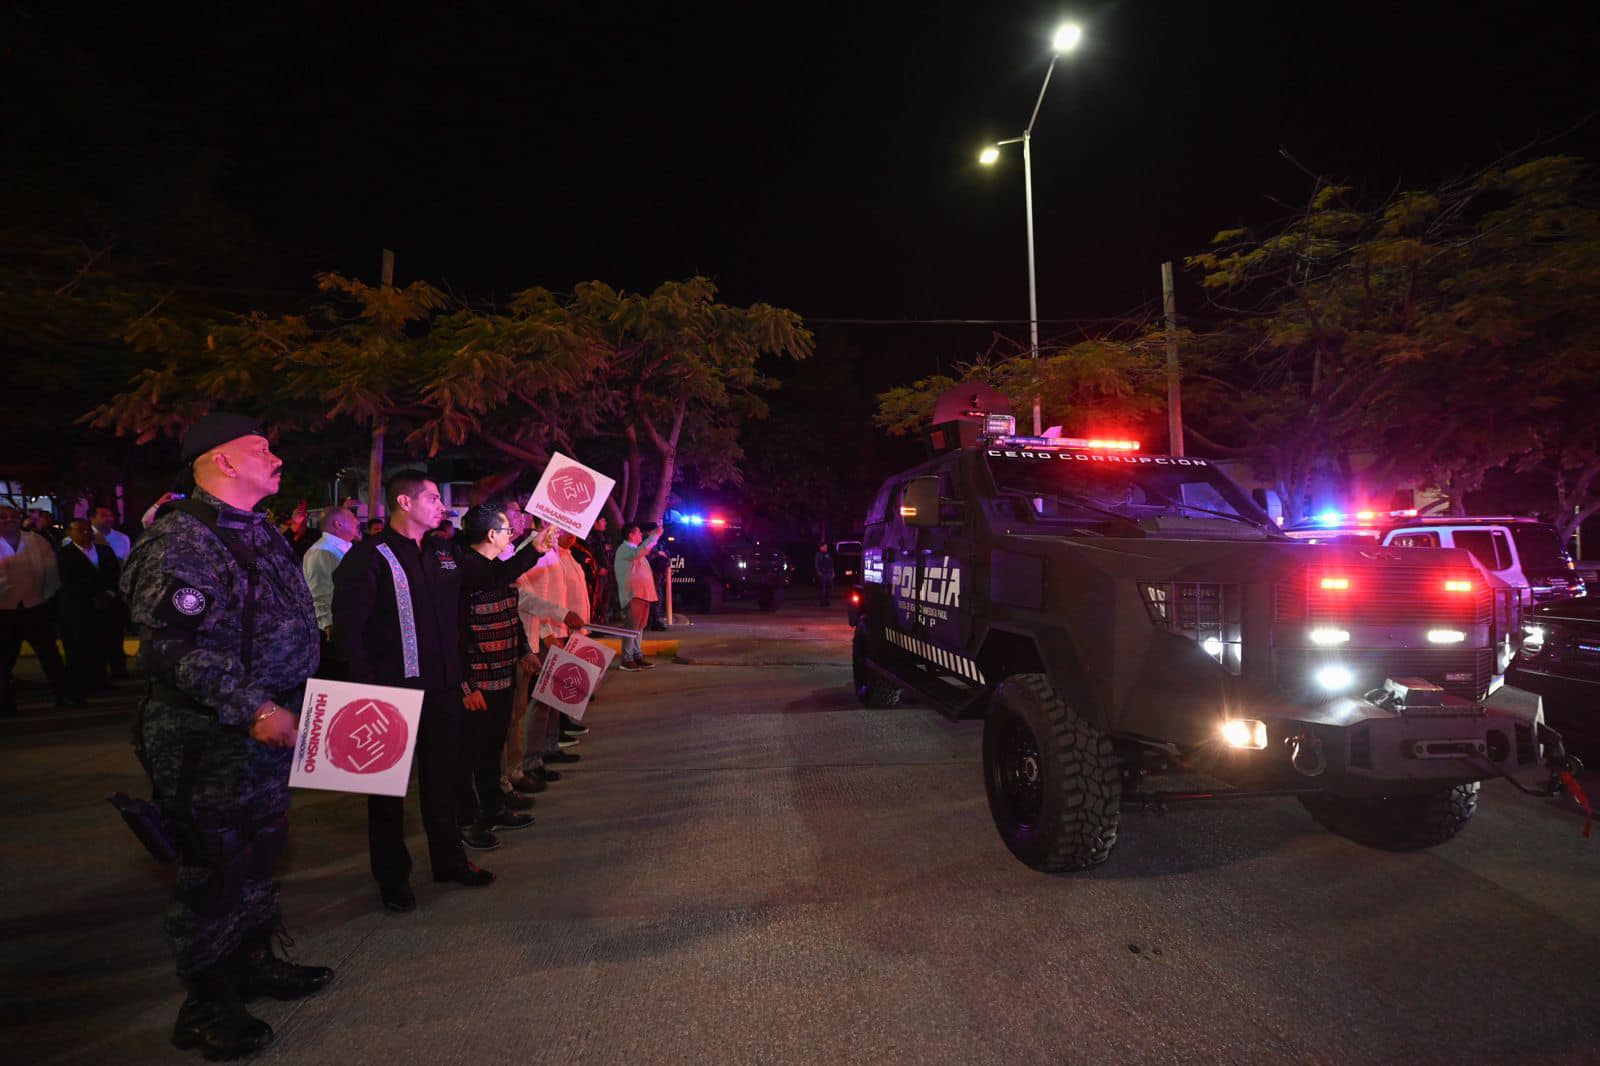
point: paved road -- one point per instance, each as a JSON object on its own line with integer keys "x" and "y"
{"x": 749, "y": 867}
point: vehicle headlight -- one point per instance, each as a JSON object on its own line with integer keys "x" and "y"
{"x": 1446, "y": 636}
{"x": 1335, "y": 678}
{"x": 1533, "y": 639}
{"x": 1244, "y": 733}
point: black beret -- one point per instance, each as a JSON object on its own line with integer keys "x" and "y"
{"x": 216, "y": 429}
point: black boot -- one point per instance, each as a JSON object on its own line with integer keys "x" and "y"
{"x": 261, "y": 973}
{"x": 214, "y": 1022}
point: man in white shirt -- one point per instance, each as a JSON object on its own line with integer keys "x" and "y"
{"x": 104, "y": 520}
{"x": 340, "y": 529}
{"x": 29, "y": 580}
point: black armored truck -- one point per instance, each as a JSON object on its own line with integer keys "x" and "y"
{"x": 1113, "y": 616}
{"x": 713, "y": 561}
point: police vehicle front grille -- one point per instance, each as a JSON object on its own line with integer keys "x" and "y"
{"x": 1382, "y": 593}
{"x": 1465, "y": 673}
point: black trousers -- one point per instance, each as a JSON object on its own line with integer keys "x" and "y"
{"x": 37, "y": 626}
{"x": 483, "y": 738}
{"x": 438, "y": 748}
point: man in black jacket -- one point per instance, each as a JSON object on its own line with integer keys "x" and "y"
{"x": 89, "y": 605}
{"x": 397, "y": 601}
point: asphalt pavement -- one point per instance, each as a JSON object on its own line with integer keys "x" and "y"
{"x": 748, "y": 866}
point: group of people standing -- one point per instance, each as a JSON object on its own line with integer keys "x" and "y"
{"x": 232, "y": 626}
{"x": 62, "y": 584}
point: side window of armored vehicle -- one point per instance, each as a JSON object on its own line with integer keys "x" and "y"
{"x": 880, "y": 503}
{"x": 1488, "y": 545}
{"x": 1414, "y": 540}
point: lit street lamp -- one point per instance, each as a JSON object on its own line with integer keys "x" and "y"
{"x": 1065, "y": 40}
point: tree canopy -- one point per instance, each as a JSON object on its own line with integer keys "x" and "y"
{"x": 635, "y": 382}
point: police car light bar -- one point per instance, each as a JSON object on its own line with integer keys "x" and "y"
{"x": 1085, "y": 443}
{"x": 999, "y": 425}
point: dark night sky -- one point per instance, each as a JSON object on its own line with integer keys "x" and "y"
{"x": 816, "y": 156}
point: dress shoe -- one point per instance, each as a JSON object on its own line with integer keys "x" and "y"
{"x": 478, "y": 838}
{"x": 514, "y": 801}
{"x": 468, "y": 875}
{"x": 545, "y": 774}
{"x": 562, "y": 756}
{"x": 510, "y": 820}
{"x": 213, "y": 1021}
{"x": 398, "y": 898}
{"x": 528, "y": 786}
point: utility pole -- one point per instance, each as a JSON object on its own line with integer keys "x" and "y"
{"x": 380, "y": 426}
{"x": 1169, "y": 305}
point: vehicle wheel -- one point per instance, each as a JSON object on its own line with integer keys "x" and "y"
{"x": 769, "y": 599}
{"x": 713, "y": 596}
{"x": 1396, "y": 823}
{"x": 871, "y": 688}
{"x": 1054, "y": 789}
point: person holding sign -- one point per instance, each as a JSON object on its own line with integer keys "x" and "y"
{"x": 397, "y": 617}
{"x": 636, "y": 588}
{"x": 229, "y": 637}
{"x": 496, "y": 646}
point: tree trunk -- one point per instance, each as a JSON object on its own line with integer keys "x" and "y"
{"x": 669, "y": 465}
{"x": 375, "y": 470}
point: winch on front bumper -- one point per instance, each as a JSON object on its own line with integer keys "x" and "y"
{"x": 1410, "y": 735}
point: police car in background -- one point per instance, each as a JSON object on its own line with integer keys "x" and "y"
{"x": 1113, "y": 616}
{"x": 713, "y": 562}
{"x": 1522, "y": 552}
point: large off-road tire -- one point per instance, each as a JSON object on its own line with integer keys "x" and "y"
{"x": 1396, "y": 823}
{"x": 872, "y": 689}
{"x": 1054, "y": 788}
{"x": 713, "y": 595}
{"x": 769, "y": 599}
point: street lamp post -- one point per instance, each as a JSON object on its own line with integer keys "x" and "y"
{"x": 1065, "y": 40}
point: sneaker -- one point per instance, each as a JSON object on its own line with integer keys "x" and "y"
{"x": 565, "y": 741}
{"x": 629, "y": 666}
{"x": 644, "y": 664}
{"x": 562, "y": 756}
{"x": 513, "y": 802}
{"x": 577, "y": 729}
{"x": 478, "y": 838}
{"x": 510, "y": 820}
{"x": 544, "y": 773}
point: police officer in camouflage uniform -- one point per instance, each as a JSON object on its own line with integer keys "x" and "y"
{"x": 229, "y": 636}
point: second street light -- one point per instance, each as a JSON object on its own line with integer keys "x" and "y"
{"x": 1065, "y": 40}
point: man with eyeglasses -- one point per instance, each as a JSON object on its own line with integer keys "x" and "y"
{"x": 397, "y": 617}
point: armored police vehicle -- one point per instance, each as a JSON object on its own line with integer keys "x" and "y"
{"x": 1113, "y": 615}
{"x": 714, "y": 562}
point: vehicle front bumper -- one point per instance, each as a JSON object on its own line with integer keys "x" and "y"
{"x": 1353, "y": 746}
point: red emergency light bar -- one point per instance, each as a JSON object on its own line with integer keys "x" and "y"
{"x": 1085, "y": 443}
{"x": 1458, "y": 586}
{"x": 717, "y": 521}
{"x": 1336, "y": 584}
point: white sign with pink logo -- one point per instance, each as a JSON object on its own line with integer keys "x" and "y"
{"x": 570, "y": 495}
{"x": 356, "y": 738}
{"x": 567, "y": 682}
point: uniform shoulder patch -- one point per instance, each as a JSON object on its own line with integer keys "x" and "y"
{"x": 189, "y": 600}
{"x": 183, "y": 605}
